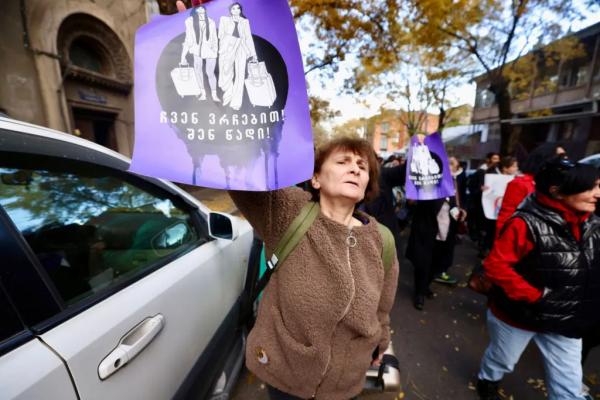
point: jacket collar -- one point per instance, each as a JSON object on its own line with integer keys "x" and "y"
{"x": 565, "y": 212}
{"x": 554, "y": 211}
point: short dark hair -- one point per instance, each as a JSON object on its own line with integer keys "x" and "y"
{"x": 538, "y": 157}
{"x": 507, "y": 161}
{"x": 570, "y": 178}
{"x": 491, "y": 154}
{"x": 357, "y": 146}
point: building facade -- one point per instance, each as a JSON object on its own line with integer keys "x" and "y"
{"x": 563, "y": 110}
{"x": 390, "y": 135}
{"x": 68, "y": 65}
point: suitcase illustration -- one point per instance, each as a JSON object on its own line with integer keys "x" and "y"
{"x": 260, "y": 86}
{"x": 184, "y": 79}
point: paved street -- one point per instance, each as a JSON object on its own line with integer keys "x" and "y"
{"x": 439, "y": 348}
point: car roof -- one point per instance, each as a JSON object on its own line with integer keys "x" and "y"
{"x": 590, "y": 158}
{"x": 17, "y": 136}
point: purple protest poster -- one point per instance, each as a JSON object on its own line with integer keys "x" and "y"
{"x": 428, "y": 174}
{"x": 220, "y": 98}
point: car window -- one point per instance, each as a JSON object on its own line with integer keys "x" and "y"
{"x": 11, "y": 324}
{"x": 89, "y": 227}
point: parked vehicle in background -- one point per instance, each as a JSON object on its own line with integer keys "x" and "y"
{"x": 113, "y": 285}
{"x": 594, "y": 160}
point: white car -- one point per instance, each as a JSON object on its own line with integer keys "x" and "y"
{"x": 113, "y": 285}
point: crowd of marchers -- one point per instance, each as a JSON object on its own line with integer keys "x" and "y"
{"x": 540, "y": 268}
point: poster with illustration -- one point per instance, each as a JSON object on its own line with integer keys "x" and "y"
{"x": 220, "y": 98}
{"x": 492, "y": 195}
{"x": 428, "y": 174}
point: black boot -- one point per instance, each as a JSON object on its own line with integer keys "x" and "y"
{"x": 487, "y": 390}
{"x": 419, "y": 301}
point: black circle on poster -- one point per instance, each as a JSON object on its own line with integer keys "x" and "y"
{"x": 208, "y": 127}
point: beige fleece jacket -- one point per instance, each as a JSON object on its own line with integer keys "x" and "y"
{"x": 325, "y": 309}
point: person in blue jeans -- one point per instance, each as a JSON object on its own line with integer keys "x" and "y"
{"x": 546, "y": 277}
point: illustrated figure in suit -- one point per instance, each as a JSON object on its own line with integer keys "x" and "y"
{"x": 201, "y": 41}
{"x": 235, "y": 48}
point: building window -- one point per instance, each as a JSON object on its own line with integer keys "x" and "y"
{"x": 385, "y": 127}
{"x": 84, "y": 56}
{"x": 581, "y": 75}
{"x": 383, "y": 143}
{"x": 484, "y": 98}
{"x": 574, "y": 76}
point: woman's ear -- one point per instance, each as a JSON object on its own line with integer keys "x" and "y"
{"x": 315, "y": 182}
{"x": 554, "y": 193}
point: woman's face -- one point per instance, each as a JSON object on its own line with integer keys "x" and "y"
{"x": 584, "y": 201}
{"x": 454, "y": 165}
{"x": 235, "y": 10}
{"x": 343, "y": 175}
{"x": 512, "y": 170}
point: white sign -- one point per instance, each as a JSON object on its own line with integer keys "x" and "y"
{"x": 491, "y": 197}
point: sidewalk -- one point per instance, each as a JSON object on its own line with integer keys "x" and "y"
{"x": 440, "y": 348}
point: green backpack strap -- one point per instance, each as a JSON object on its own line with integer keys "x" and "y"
{"x": 294, "y": 233}
{"x": 389, "y": 250}
{"x": 290, "y": 239}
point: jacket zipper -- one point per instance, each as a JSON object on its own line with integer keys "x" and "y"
{"x": 343, "y": 315}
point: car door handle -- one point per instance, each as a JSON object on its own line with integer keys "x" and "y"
{"x": 131, "y": 345}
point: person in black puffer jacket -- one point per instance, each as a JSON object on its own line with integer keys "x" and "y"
{"x": 546, "y": 273}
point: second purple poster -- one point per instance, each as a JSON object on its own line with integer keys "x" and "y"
{"x": 428, "y": 174}
{"x": 220, "y": 98}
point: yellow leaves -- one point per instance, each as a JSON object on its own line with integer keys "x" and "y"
{"x": 540, "y": 113}
{"x": 539, "y": 385}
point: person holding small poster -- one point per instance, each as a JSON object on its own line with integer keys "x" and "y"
{"x": 492, "y": 195}
{"x": 435, "y": 215}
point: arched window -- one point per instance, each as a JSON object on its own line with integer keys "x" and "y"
{"x": 91, "y": 51}
{"x": 84, "y": 54}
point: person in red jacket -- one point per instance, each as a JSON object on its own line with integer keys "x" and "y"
{"x": 546, "y": 280}
{"x": 523, "y": 185}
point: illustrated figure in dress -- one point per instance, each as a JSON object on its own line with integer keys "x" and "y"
{"x": 235, "y": 48}
{"x": 201, "y": 41}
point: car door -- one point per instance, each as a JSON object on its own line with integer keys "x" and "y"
{"x": 46, "y": 375}
{"x": 142, "y": 287}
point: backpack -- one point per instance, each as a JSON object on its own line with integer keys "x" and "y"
{"x": 296, "y": 231}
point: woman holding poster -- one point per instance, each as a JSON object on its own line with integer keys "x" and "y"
{"x": 324, "y": 317}
{"x": 235, "y": 48}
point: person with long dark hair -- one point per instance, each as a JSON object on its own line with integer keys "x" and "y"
{"x": 523, "y": 185}
{"x": 201, "y": 41}
{"x": 546, "y": 278}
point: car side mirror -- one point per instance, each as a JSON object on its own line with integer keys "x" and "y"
{"x": 222, "y": 226}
